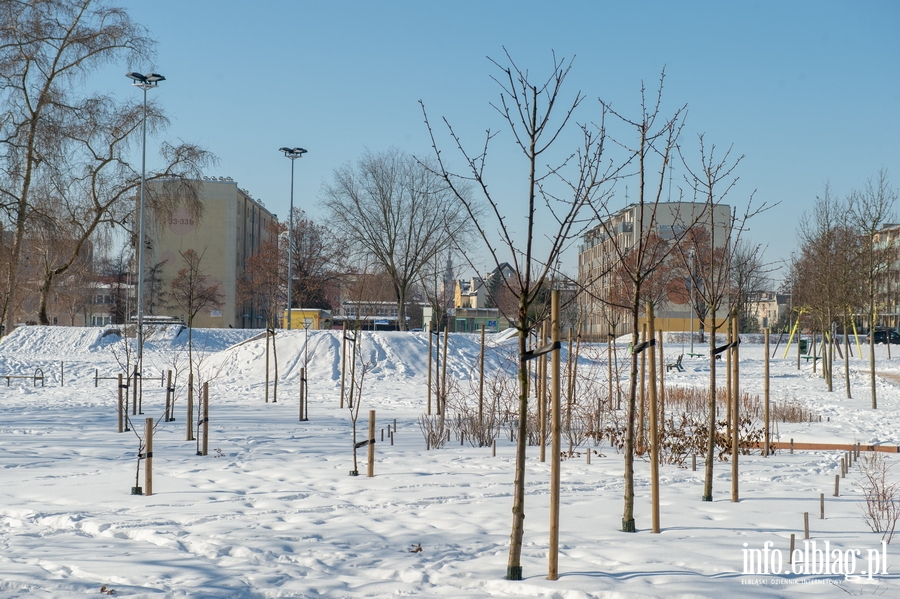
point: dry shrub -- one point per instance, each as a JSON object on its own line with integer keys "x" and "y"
{"x": 434, "y": 429}
{"x": 686, "y": 427}
{"x": 695, "y": 400}
{"x": 881, "y": 508}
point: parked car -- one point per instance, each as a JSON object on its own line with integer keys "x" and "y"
{"x": 883, "y": 336}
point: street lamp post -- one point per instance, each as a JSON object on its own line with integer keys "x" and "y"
{"x": 145, "y": 82}
{"x": 293, "y": 154}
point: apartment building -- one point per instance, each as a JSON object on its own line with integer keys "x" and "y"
{"x": 232, "y": 228}
{"x": 603, "y": 246}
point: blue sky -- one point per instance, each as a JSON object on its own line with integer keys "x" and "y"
{"x": 808, "y": 92}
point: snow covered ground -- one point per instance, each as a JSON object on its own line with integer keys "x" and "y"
{"x": 272, "y": 511}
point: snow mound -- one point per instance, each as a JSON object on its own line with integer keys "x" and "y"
{"x": 47, "y": 341}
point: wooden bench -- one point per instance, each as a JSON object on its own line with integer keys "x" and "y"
{"x": 676, "y": 364}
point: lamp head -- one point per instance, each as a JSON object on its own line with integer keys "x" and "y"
{"x": 145, "y": 82}
{"x": 292, "y": 153}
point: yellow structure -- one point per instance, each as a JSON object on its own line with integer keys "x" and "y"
{"x": 303, "y": 318}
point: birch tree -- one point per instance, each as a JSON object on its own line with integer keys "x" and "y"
{"x": 46, "y": 48}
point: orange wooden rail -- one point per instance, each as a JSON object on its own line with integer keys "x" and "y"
{"x": 829, "y": 446}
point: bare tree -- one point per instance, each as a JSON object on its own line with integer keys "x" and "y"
{"x": 748, "y": 278}
{"x": 641, "y": 264}
{"x": 869, "y": 209}
{"x": 76, "y": 294}
{"x": 93, "y": 185}
{"x": 262, "y": 286}
{"x": 192, "y": 292}
{"x": 713, "y": 256}
{"x": 826, "y": 270}
{"x": 529, "y": 110}
{"x": 438, "y": 283}
{"x": 395, "y": 211}
{"x": 45, "y": 47}
{"x": 319, "y": 256}
{"x": 115, "y": 272}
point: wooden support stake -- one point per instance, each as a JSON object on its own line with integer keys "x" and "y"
{"x": 726, "y": 357}
{"x": 735, "y": 404}
{"x": 792, "y": 446}
{"x": 430, "y": 352}
{"x": 303, "y": 394}
{"x": 791, "y": 553}
{"x": 267, "y": 365}
{"x": 837, "y": 485}
{"x": 540, "y": 388}
{"x": 843, "y": 467}
{"x": 443, "y": 398}
{"x": 121, "y": 407}
{"x": 654, "y": 427}
{"x": 134, "y": 406}
{"x": 481, "y": 381}
{"x": 168, "y": 415}
{"x": 662, "y": 384}
{"x": 555, "y": 440}
{"x": 391, "y": 436}
{"x": 821, "y": 506}
{"x": 190, "y": 408}
{"x": 805, "y": 525}
{"x": 148, "y": 458}
{"x": 371, "y": 458}
{"x": 494, "y": 448}
{"x": 694, "y": 462}
{"x": 62, "y": 374}
{"x": 344, "y": 366}
{"x": 205, "y": 418}
{"x": 641, "y": 441}
{"x": 589, "y": 456}
{"x": 766, "y": 395}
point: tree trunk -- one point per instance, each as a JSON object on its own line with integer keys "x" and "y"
{"x": 514, "y": 567}
{"x": 735, "y": 405}
{"x": 628, "y": 524}
{"x": 711, "y": 433}
{"x": 267, "y": 362}
{"x": 872, "y": 355}
{"x": 275, "y": 360}
{"x": 401, "y": 307}
{"x": 847, "y": 355}
{"x": 12, "y": 282}
{"x": 43, "y": 317}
